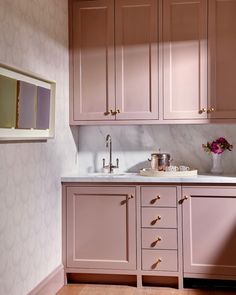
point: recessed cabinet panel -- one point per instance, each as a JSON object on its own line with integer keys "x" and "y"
{"x": 101, "y": 227}
{"x": 93, "y": 59}
{"x": 209, "y": 233}
{"x": 136, "y": 35}
{"x": 222, "y": 58}
{"x": 185, "y": 59}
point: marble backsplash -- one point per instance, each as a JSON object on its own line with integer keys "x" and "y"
{"x": 134, "y": 144}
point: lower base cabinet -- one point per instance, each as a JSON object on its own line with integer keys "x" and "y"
{"x": 149, "y": 232}
{"x": 209, "y": 232}
{"x": 101, "y": 227}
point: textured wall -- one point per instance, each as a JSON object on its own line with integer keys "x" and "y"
{"x": 33, "y": 36}
{"x": 134, "y": 144}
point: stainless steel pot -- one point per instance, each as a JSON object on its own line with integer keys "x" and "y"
{"x": 159, "y": 161}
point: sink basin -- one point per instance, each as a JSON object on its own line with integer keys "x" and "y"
{"x": 102, "y": 174}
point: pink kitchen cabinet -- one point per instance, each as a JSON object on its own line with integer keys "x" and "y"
{"x": 101, "y": 227}
{"x": 113, "y": 60}
{"x": 222, "y": 58}
{"x": 136, "y": 43}
{"x": 92, "y": 84}
{"x": 209, "y": 232}
{"x": 184, "y": 59}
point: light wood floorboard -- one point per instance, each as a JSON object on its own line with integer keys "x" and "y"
{"x": 124, "y": 290}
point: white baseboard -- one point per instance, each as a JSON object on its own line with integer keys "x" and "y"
{"x": 51, "y": 284}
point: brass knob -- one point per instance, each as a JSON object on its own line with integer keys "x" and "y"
{"x": 113, "y": 112}
{"x": 210, "y": 110}
{"x": 107, "y": 113}
{"x": 158, "y": 217}
{"x": 118, "y": 111}
{"x": 203, "y": 110}
{"x": 130, "y": 197}
{"x": 159, "y": 239}
{"x": 159, "y": 260}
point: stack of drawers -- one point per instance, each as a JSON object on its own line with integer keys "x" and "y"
{"x": 159, "y": 228}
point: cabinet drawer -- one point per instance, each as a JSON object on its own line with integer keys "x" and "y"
{"x": 159, "y": 260}
{"x": 158, "y": 196}
{"x": 159, "y": 238}
{"x": 159, "y": 217}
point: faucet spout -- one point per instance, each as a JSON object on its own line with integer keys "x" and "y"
{"x": 109, "y": 145}
{"x": 110, "y": 167}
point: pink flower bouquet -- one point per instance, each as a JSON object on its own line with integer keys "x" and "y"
{"x": 218, "y": 146}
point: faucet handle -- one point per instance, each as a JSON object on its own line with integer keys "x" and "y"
{"x": 117, "y": 163}
{"x": 103, "y": 163}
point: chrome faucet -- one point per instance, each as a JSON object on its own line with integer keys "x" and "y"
{"x": 110, "y": 166}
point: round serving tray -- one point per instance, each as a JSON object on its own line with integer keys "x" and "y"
{"x": 155, "y": 173}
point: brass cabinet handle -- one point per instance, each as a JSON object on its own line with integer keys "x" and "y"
{"x": 153, "y": 222}
{"x": 203, "y": 110}
{"x": 118, "y": 111}
{"x": 130, "y": 197}
{"x": 153, "y": 201}
{"x": 159, "y": 260}
{"x": 107, "y": 113}
{"x": 210, "y": 110}
{"x": 183, "y": 199}
{"x": 153, "y": 244}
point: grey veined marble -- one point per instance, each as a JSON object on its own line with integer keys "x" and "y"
{"x": 134, "y": 144}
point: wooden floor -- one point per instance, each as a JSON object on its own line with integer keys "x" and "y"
{"x": 124, "y": 290}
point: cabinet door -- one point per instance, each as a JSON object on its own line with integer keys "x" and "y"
{"x": 185, "y": 59}
{"x": 101, "y": 227}
{"x": 136, "y": 30}
{"x": 92, "y": 45}
{"x": 209, "y": 232}
{"x": 222, "y": 58}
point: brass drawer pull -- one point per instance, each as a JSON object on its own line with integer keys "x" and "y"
{"x": 153, "y": 201}
{"x": 159, "y": 260}
{"x": 153, "y": 244}
{"x": 153, "y": 222}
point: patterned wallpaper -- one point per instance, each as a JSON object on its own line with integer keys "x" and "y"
{"x": 33, "y": 36}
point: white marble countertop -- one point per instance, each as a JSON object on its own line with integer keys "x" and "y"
{"x": 136, "y": 178}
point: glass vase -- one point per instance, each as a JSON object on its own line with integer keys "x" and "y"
{"x": 216, "y": 164}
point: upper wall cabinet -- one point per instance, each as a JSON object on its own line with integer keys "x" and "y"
{"x": 92, "y": 60}
{"x": 152, "y": 61}
{"x": 136, "y": 35}
{"x": 184, "y": 59}
{"x": 26, "y": 105}
{"x": 222, "y": 58}
{"x": 113, "y": 60}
